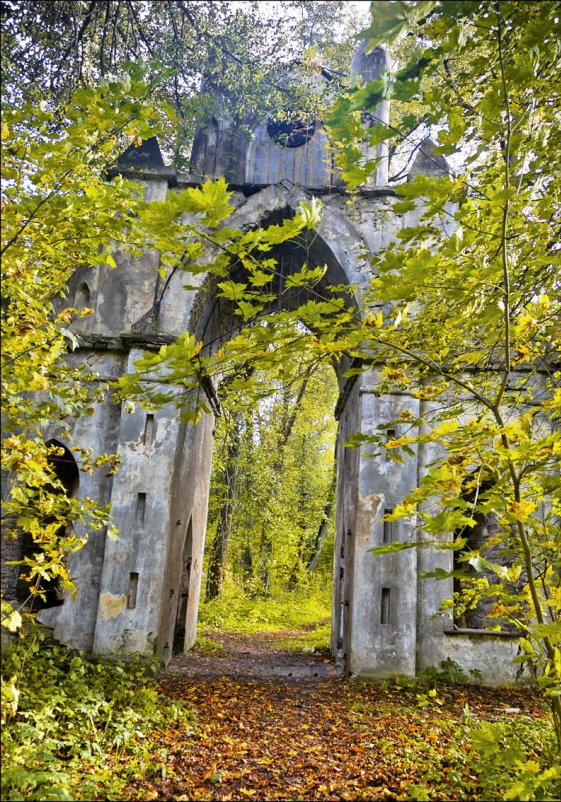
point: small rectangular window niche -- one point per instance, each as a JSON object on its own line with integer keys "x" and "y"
{"x": 385, "y": 606}
{"x": 133, "y": 589}
{"x": 149, "y": 430}
{"x": 390, "y": 435}
{"x": 387, "y": 533}
{"x": 140, "y": 509}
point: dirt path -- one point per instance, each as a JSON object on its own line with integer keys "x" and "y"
{"x": 252, "y": 656}
{"x": 271, "y": 725}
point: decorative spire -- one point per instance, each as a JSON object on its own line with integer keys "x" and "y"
{"x": 427, "y": 162}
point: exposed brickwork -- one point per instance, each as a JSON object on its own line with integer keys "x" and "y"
{"x": 10, "y": 551}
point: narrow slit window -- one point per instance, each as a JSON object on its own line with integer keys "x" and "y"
{"x": 387, "y": 534}
{"x": 133, "y": 589}
{"x": 141, "y": 509}
{"x": 390, "y": 435}
{"x": 385, "y": 606}
{"x": 149, "y": 430}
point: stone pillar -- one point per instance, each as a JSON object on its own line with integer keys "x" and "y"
{"x": 132, "y": 582}
{"x": 74, "y": 621}
{"x": 345, "y": 521}
{"x": 385, "y": 585}
{"x": 189, "y": 505}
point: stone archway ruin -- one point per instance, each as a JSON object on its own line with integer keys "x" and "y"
{"x": 130, "y": 590}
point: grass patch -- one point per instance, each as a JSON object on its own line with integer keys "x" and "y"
{"x": 234, "y": 612}
{"x": 207, "y": 645}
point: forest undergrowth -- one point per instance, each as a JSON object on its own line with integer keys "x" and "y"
{"x": 89, "y": 729}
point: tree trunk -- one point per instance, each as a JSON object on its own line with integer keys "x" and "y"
{"x": 289, "y": 418}
{"x": 219, "y": 548}
{"x": 327, "y": 510}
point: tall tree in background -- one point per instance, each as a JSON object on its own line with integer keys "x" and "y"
{"x": 272, "y": 481}
{"x": 226, "y": 487}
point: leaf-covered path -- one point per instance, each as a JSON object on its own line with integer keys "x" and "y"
{"x": 272, "y": 725}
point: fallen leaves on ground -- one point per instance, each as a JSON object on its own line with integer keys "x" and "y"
{"x": 318, "y": 737}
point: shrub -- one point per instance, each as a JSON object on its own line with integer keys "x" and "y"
{"x": 68, "y": 722}
{"x": 518, "y": 759}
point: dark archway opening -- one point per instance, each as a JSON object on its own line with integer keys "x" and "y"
{"x": 65, "y": 469}
{"x": 250, "y": 566}
{"x": 270, "y": 526}
{"x": 182, "y": 602}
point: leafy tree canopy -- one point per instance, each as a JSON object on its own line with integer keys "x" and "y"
{"x": 190, "y": 49}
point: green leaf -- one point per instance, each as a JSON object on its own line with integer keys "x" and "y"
{"x": 526, "y": 645}
{"x": 481, "y": 565}
{"x": 232, "y": 290}
{"x": 389, "y": 19}
{"x": 310, "y": 212}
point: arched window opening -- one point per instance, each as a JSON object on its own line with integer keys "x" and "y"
{"x": 290, "y": 133}
{"x": 65, "y": 468}
{"x": 66, "y": 471}
{"x": 82, "y": 296}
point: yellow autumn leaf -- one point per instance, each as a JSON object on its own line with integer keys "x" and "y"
{"x": 210, "y": 773}
{"x": 10, "y": 696}
{"x": 521, "y": 509}
{"x": 13, "y": 622}
{"x": 374, "y": 321}
{"x": 38, "y": 382}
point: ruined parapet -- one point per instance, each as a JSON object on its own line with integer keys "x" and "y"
{"x": 427, "y": 162}
{"x": 263, "y": 152}
{"x": 147, "y": 154}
